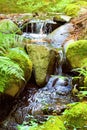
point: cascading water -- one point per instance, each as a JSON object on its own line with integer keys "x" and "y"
{"x": 59, "y": 67}
{"x": 38, "y": 29}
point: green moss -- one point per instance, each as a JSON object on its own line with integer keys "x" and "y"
{"x": 40, "y": 59}
{"x": 22, "y": 6}
{"x": 76, "y": 116}
{"x": 19, "y": 56}
{"x": 76, "y": 53}
{"x": 72, "y": 10}
{"x": 10, "y": 74}
{"x": 53, "y": 123}
{"x": 43, "y": 61}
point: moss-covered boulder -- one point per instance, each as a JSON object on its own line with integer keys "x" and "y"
{"x": 53, "y": 123}
{"x": 11, "y": 77}
{"x": 76, "y": 116}
{"x": 76, "y": 54}
{"x": 8, "y": 26}
{"x": 19, "y": 56}
{"x": 43, "y": 60}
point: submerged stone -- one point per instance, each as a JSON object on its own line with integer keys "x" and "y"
{"x": 43, "y": 60}
{"x": 8, "y": 26}
{"x": 76, "y": 116}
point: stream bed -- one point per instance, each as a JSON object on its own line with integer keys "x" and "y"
{"x": 56, "y": 94}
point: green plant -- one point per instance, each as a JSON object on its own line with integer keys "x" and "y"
{"x": 83, "y": 89}
{"x": 10, "y": 72}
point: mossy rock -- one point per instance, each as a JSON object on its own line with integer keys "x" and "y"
{"x": 8, "y": 26}
{"x": 76, "y": 54}
{"x": 11, "y": 77}
{"x": 19, "y": 56}
{"x": 76, "y": 116}
{"x": 53, "y": 123}
{"x": 43, "y": 60}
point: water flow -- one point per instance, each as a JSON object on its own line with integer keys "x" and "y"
{"x": 39, "y": 27}
{"x": 60, "y": 63}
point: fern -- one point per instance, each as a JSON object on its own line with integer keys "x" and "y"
{"x": 10, "y": 41}
{"x": 10, "y": 72}
{"x": 81, "y": 71}
{"x": 19, "y": 56}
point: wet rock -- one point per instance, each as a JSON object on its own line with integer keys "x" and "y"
{"x": 43, "y": 60}
{"x": 77, "y": 111}
{"x": 7, "y": 26}
{"x": 52, "y": 98}
{"x": 61, "y": 18}
{"x": 60, "y": 35}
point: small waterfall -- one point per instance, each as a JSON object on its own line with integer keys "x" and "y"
{"x": 59, "y": 63}
{"x": 39, "y": 27}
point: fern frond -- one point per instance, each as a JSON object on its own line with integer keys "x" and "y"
{"x": 9, "y": 72}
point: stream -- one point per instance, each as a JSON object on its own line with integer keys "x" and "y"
{"x": 57, "y": 93}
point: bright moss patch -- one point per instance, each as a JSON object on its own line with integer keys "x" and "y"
{"x": 76, "y": 53}
{"x": 72, "y": 10}
{"x": 76, "y": 116}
